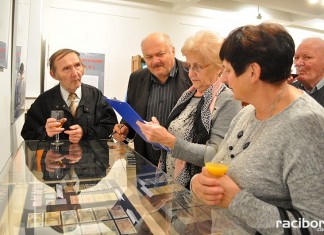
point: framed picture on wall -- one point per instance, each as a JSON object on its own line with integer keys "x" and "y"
{"x": 5, "y": 9}
{"x": 94, "y": 73}
{"x": 21, "y": 10}
{"x": 94, "y": 69}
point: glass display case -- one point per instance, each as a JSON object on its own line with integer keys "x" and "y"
{"x": 97, "y": 187}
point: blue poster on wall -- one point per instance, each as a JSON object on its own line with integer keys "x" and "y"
{"x": 94, "y": 69}
{"x": 3, "y": 55}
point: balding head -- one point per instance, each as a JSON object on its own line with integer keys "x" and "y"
{"x": 309, "y": 62}
{"x": 159, "y": 55}
{"x": 314, "y": 40}
{"x": 157, "y": 37}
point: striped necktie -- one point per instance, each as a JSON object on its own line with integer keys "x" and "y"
{"x": 73, "y": 105}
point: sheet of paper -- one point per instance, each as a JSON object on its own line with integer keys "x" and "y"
{"x": 91, "y": 80}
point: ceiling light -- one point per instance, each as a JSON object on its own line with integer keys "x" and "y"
{"x": 259, "y": 16}
{"x": 313, "y": 1}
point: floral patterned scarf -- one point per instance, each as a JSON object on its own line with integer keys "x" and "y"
{"x": 200, "y": 131}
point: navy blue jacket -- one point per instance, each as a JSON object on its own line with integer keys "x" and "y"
{"x": 317, "y": 95}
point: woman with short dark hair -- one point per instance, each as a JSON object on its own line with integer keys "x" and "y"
{"x": 275, "y": 144}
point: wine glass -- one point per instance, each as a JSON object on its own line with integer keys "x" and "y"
{"x": 216, "y": 159}
{"x": 54, "y": 162}
{"x": 59, "y": 116}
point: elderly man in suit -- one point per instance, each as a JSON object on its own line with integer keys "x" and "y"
{"x": 154, "y": 91}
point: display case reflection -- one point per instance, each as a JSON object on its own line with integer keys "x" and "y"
{"x": 73, "y": 161}
{"x": 58, "y": 163}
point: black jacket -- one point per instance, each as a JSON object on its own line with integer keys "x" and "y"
{"x": 317, "y": 95}
{"x": 94, "y": 115}
{"x": 137, "y": 97}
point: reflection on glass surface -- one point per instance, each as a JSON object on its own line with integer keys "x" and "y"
{"x": 98, "y": 187}
{"x": 69, "y": 160}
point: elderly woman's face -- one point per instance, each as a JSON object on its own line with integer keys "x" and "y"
{"x": 201, "y": 73}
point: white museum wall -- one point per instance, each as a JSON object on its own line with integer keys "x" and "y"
{"x": 33, "y": 86}
{"x": 117, "y": 30}
{"x": 5, "y": 104}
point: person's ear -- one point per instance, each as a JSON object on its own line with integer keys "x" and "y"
{"x": 52, "y": 74}
{"x": 172, "y": 50}
{"x": 255, "y": 71}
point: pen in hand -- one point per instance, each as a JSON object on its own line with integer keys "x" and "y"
{"x": 114, "y": 132}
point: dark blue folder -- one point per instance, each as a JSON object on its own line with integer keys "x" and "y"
{"x": 131, "y": 117}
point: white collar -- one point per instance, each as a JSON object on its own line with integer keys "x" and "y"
{"x": 65, "y": 94}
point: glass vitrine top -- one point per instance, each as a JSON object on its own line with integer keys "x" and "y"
{"x": 96, "y": 187}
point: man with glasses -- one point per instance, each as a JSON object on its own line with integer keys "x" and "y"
{"x": 154, "y": 91}
{"x": 309, "y": 63}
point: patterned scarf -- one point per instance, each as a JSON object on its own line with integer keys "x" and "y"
{"x": 200, "y": 131}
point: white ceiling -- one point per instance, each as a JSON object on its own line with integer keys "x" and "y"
{"x": 291, "y": 13}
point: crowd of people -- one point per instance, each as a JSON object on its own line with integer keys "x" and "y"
{"x": 203, "y": 112}
{"x": 274, "y": 142}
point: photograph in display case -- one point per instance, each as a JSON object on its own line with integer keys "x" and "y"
{"x": 102, "y": 213}
{"x": 86, "y": 215}
{"x": 125, "y": 226}
{"x": 72, "y": 229}
{"x": 69, "y": 217}
{"x": 90, "y": 210}
{"x": 52, "y": 218}
{"x": 117, "y": 212}
{"x": 90, "y": 229}
{"x": 75, "y": 199}
{"x": 35, "y": 220}
{"x": 108, "y": 227}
